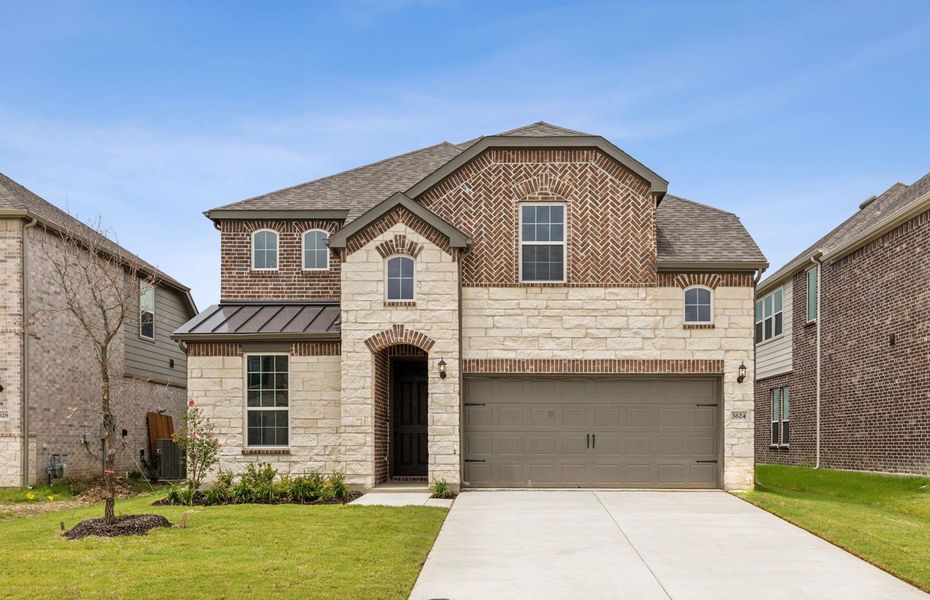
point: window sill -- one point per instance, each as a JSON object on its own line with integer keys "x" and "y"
{"x": 809, "y": 323}
{"x": 400, "y": 303}
{"x": 266, "y": 451}
{"x": 779, "y": 446}
{"x": 699, "y": 326}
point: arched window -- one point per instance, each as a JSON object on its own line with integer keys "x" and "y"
{"x": 265, "y": 250}
{"x": 698, "y": 305}
{"x": 400, "y": 278}
{"x": 316, "y": 252}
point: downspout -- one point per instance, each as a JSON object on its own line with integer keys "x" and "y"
{"x": 24, "y": 364}
{"x": 816, "y": 259}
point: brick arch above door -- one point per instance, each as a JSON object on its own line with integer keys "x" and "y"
{"x": 399, "y": 334}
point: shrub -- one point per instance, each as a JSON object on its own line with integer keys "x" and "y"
{"x": 335, "y": 487}
{"x": 135, "y": 476}
{"x": 306, "y": 488}
{"x": 258, "y": 474}
{"x": 441, "y": 489}
{"x": 174, "y": 494}
{"x": 282, "y": 488}
{"x": 241, "y": 493}
{"x": 225, "y": 477}
{"x": 198, "y": 443}
{"x": 264, "y": 493}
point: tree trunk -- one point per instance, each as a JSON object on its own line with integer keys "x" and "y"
{"x": 109, "y": 508}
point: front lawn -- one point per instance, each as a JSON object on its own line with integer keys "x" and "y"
{"x": 40, "y": 493}
{"x": 242, "y": 551}
{"x": 882, "y": 519}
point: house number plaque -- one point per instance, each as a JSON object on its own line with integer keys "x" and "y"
{"x": 739, "y": 415}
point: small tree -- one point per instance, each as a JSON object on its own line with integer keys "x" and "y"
{"x": 98, "y": 283}
{"x": 198, "y": 443}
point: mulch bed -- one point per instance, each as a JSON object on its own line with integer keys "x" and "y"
{"x": 128, "y": 525}
{"x": 199, "y": 501}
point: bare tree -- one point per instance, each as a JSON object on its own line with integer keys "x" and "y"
{"x": 99, "y": 284}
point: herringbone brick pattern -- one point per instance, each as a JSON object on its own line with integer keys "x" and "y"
{"x": 395, "y": 216}
{"x": 610, "y": 213}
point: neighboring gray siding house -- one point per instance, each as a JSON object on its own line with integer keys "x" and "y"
{"x": 843, "y": 343}
{"x": 50, "y": 384}
{"x": 527, "y": 309}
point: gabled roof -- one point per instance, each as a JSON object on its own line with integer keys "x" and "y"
{"x": 692, "y": 235}
{"x": 876, "y": 215}
{"x": 268, "y": 321}
{"x": 457, "y": 239}
{"x": 18, "y": 201}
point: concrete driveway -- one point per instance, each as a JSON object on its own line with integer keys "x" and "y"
{"x": 624, "y": 544}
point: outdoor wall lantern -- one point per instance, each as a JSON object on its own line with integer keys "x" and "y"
{"x": 742, "y": 373}
{"x": 1, "y": 386}
{"x": 442, "y": 368}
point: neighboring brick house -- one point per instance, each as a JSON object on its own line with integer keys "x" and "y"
{"x": 872, "y": 320}
{"x": 504, "y": 312}
{"x": 58, "y": 384}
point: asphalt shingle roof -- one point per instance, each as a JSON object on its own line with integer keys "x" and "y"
{"x": 719, "y": 238}
{"x": 14, "y": 196}
{"x": 873, "y": 212}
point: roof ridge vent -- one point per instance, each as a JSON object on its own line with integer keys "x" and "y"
{"x": 867, "y": 201}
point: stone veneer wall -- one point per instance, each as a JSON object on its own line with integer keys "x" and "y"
{"x": 11, "y": 443}
{"x": 216, "y": 385}
{"x": 622, "y": 323}
{"x": 433, "y": 317}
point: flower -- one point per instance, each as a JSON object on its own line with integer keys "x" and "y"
{"x": 190, "y": 402}
{"x": 50, "y": 498}
{"x": 30, "y": 496}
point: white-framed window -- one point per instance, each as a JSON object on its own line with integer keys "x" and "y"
{"x": 781, "y": 413}
{"x": 399, "y": 279}
{"x": 146, "y": 310}
{"x": 264, "y": 250}
{"x": 316, "y": 250}
{"x": 699, "y": 305}
{"x": 267, "y": 399}
{"x": 542, "y": 242}
{"x": 769, "y": 316}
{"x": 812, "y": 294}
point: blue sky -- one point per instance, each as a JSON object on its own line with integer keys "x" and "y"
{"x": 787, "y": 113}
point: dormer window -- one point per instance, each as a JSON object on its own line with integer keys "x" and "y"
{"x": 265, "y": 250}
{"x": 316, "y": 251}
{"x": 400, "y": 278}
{"x": 542, "y": 243}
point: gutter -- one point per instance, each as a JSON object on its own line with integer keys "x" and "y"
{"x": 817, "y": 259}
{"x": 24, "y": 364}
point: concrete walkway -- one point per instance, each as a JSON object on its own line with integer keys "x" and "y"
{"x": 638, "y": 545}
{"x": 401, "y": 499}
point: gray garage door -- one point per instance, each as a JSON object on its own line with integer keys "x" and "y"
{"x": 593, "y": 432}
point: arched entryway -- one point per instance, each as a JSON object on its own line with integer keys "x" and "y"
{"x": 401, "y": 414}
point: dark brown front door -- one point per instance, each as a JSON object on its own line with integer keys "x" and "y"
{"x": 408, "y": 418}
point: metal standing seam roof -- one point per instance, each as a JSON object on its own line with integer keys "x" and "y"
{"x": 263, "y": 320}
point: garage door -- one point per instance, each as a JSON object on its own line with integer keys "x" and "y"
{"x": 561, "y": 432}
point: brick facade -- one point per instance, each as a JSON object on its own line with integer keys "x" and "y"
{"x": 610, "y": 215}
{"x": 238, "y": 281}
{"x": 875, "y": 394}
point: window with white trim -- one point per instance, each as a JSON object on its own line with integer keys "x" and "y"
{"x": 316, "y": 251}
{"x": 769, "y": 316}
{"x": 146, "y": 310}
{"x": 265, "y": 250}
{"x": 812, "y": 294}
{"x": 267, "y": 399}
{"x": 781, "y": 411}
{"x": 699, "y": 305}
{"x": 400, "y": 279}
{"x": 542, "y": 242}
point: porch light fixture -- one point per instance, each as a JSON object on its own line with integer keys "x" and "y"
{"x": 442, "y": 368}
{"x": 742, "y": 373}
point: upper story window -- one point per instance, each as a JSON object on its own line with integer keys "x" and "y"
{"x": 316, "y": 252}
{"x": 769, "y": 316}
{"x": 542, "y": 242}
{"x": 400, "y": 278}
{"x": 812, "y": 294}
{"x": 781, "y": 411}
{"x": 267, "y": 400}
{"x": 265, "y": 250}
{"x": 698, "y": 305}
{"x": 146, "y": 310}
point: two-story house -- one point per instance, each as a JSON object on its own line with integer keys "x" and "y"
{"x": 49, "y": 376}
{"x": 527, "y": 309}
{"x": 843, "y": 343}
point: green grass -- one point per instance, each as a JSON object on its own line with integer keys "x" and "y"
{"x": 257, "y": 551}
{"x": 882, "y": 519}
{"x": 40, "y": 493}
